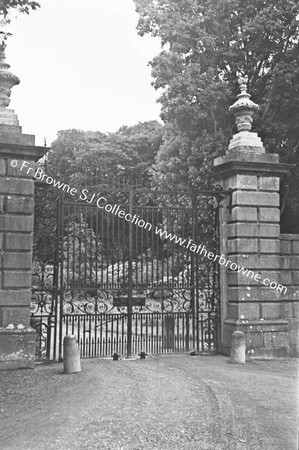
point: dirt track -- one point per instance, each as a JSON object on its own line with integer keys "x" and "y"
{"x": 169, "y": 402}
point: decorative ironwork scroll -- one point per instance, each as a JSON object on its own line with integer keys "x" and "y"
{"x": 124, "y": 271}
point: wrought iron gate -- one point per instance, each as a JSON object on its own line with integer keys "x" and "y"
{"x": 125, "y": 269}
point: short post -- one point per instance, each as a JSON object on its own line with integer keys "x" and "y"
{"x": 71, "y": 356}
{"x": 237, "y": 355}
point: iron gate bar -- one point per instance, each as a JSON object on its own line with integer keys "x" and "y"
{"x": 56, "y": 287}
{"x": 130, "y": 284}
{"x": 60, "y": 243}
{"x": 193, "y": 267}
{"x": 155, "y": 269}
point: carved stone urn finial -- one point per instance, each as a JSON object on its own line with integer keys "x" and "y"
{"x": 244, "y": 108}
{"x": 7, "y": 78}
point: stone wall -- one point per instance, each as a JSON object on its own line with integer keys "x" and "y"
{"x": 262, "y": 299}
{"x": 288, "y": 307}
{"x": 16, "y": 235}
{"x": 250, "y": 238}
{"x": 17, "y": 339}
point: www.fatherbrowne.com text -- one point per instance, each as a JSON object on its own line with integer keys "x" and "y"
{"x": 102, "y": 203}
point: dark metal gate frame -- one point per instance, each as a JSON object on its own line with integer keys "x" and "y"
{"x": 48, "y": 320}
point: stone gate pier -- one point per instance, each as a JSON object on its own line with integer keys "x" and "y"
{"x": 17, "y": 339}
{"x": 264, "y": 305}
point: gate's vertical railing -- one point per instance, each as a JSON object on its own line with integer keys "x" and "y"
{"x": 198, "y": 328}
{"x": 130, "y": 280}
{"x": 216, "y": 278}
{"x": 56, "y": 281}
{"x": 194, "y": 291}
{"x": 60, "y": 260}
{"x": 176, "y": 285}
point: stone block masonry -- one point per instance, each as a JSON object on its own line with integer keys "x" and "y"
{"x": 253, "y": 241}
{"x": 289, "y": 274}
{"x": 17, "y": 339}
{"x": 16, "y": 231}
{"x": 250, "y": 237}
{"x": 17, "y": 349}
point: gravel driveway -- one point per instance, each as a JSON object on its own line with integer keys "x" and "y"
{"x": 169, "y": 402}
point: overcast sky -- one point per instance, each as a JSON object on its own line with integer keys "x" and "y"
{"x": 82, "y": 65}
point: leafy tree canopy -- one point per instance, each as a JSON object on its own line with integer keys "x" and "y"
{"x": 6, "y": 6}
{"x": 75, "y": 157}
{"x": 76, "y": 154}
{"x": 206, "y": 45}
{"x": 23, "y": 6}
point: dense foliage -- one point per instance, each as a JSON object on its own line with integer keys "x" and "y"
{"x": 76, "y": 154}
{"x": 206, "y": 45}
{"x": 23, "y": 6}
{"x": 7, "y": 6}
{"x": 87, "y": 158}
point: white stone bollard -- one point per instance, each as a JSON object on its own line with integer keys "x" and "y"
{"x": 71, "y": 355}
{"x": 237, "y": 354}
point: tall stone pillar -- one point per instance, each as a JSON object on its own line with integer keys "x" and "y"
{"x": 17, "y": 339}
{"x": 250, "y": 234}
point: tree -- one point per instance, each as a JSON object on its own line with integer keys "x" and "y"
{"x": 22, "y": 6}
{"x": 206, "y": 45}
{"x": 77, "y": 155}
{"x": 6, "y": 6}
{"x": 89, "y": 158}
